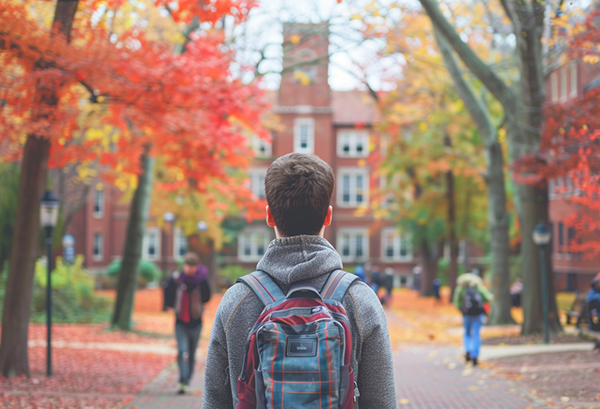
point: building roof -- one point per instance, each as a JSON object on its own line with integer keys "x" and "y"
{"x": 353, "y": 107}
{"x": 592, "y": 84}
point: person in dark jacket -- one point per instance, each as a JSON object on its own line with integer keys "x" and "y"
{"x": 186, "y": 292}
{"x": 593, "y": 303}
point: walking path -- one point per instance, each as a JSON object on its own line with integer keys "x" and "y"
{"x": 437, "y": 378}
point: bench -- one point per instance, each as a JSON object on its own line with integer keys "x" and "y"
{"x": 591, "y": 335}
{"x": 578, "y": 310}
{"x": 593, "y": 332}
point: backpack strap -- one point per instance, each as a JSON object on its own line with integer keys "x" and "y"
{"x": 263, "y": 286}
{"x": 337, "y": 284}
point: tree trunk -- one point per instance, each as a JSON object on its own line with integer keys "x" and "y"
{"x": 132, "y": 250}
{"x": 14, "y": 359}
{"x": 498, "y": 226}
{"x": 497, "y": 213}
{"x": 451, "y": 223}
{"x": 430, "y": 257}
{"x": 535, "y": 209}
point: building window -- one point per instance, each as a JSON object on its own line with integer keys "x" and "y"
{"x": 561, "y": 240}
{"x": 394, "y": 246}
{"x": 261, "y": 147}
{"x": 551, "y": 188}
{"x": 353, "y": 143}
{"x": 353, "y": 244}
{"x": 304, "y": 135}
{"x": 353, "y": 187}
{"x": 252, "y": 244}
{"x": 179, "y": 244}
{"x": 574, "y": 89}
{"x": 554, "y": 86}
{"x": 99, "y": 202}
{"x": 98, "y": 249}
{"x": 257, "y": 182}
{"x": 563, "y": 83}
{"x": 151, "y": 244}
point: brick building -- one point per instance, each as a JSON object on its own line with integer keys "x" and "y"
{"x": 335, "y": 125}
{"x": 569, "y": 80}
{"x": 332, "y": 124}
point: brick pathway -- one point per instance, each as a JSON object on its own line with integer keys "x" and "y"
{"x": 430, "y": 377}
{"x": 161, "y": 392}
{"x": 427, "y": 377}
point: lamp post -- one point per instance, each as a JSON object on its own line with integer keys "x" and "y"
{"x": 541, "y": 237}
{"x": 48, "y": 218}
{"x": 169, "y": 218}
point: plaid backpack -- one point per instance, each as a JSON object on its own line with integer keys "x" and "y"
{"x": 298, "y": 352}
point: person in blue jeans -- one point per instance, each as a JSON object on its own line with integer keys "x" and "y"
{"x": 469, "y": 296}
{"x": 186, "y": 292}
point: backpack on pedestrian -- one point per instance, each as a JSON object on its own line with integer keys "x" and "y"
{"x": 298, "y": 352}
{"x": 473, "y": 304}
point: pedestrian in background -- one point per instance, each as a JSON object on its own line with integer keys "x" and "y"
{"x": 375, "y": 278}
{"x": 359, "y": 270}
{"x": 469, "y": 297}
{"x": 436, "y": 289}
{"x": 593, "y": 305}
{"x": 389, "y": 283}
{"x": 187, "y": 292}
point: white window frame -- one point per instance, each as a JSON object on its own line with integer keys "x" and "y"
{"x": 98, "y": 256}
{"x": 258, "y": 143}
{"x": 352, "y": 234}
{"x": 351, "y": 138}
{"x": 299, "y": 123}
{"x": 178, "y": 237}
{"x": 397, "y": 240}
{"x": 563, "y": 83}
{"x": 257, "y": 182}
{"x": 246, "y": 236}
{"x": 574, "y": 90}
{"x": 352, "y": 173}
{"x": 146, "y": 244}
{"x": 99, "y": 199}
{"x": 554, "y": 86}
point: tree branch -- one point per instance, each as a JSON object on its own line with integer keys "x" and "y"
{"x": 496, "y": 86}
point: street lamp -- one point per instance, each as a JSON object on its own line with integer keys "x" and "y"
{"x": 541, "y": 237}
{"x": 48, "y": 218}
{"x": 169, "y": 218}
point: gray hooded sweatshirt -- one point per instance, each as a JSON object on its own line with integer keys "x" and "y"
{"x": 288, "y": 260}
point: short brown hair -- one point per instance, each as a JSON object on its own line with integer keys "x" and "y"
{"x": 191, "y": 259}
{"x": 298, "y": 187}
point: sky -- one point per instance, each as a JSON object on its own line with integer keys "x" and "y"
{"x": 263, "y": 31}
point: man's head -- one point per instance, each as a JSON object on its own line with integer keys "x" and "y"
{"x": 299, "y": 188}
{"x": 190, "y": 263}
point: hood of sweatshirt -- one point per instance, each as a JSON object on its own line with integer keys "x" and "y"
{"x": 298, "y": 258}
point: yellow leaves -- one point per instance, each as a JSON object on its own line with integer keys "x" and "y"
{"x": 295, "y": 39}
{"x": 302, "y": 77}
{"x": 591, "y": 59}
{"x": 423, "y": 126}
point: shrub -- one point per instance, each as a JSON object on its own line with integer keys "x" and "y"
{"x": 232, "y": 272}
{"x": 73, "y": 299}
{"x": 149, "y": 272}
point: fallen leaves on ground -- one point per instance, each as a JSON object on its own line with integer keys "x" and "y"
{"x": 83, "y": 378}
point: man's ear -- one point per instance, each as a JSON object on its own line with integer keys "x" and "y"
{"x": 328, "y": 217}
{"x": 270, "y": 219}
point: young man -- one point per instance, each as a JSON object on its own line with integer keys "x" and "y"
{"x": 469, "y": 296}
{"x": 299, "y": 189}
{"x": 186, "y": 292}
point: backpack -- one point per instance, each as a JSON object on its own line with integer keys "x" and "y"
{"x": 473, "y": 304}
{"x": 298, "y": 352}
